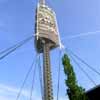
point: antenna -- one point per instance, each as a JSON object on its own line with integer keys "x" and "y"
{"x": 42, "y": 2}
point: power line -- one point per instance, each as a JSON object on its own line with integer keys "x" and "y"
{"x": 30, "y": 69}
{"x": 59, "y": 68}
{"x": 83, "y": 71}
{"x": 14, "y": 47}
{"x": 89, "y": 66}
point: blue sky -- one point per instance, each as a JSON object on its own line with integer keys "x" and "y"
{"x": 79, "y": 27}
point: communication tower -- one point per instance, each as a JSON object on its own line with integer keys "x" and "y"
{"x": 46, "y": 39}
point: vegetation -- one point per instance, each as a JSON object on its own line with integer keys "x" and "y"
{"x": 74, "y": 91}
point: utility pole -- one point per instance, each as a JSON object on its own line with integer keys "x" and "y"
{"x": 46, "y": 39}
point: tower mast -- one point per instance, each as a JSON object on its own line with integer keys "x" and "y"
{"x": 48, "y": 90}
{"x": 42, "y": 2}
{"x": 46, "y": 39}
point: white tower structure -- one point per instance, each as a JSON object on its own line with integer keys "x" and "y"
{"x": 46, "y": 39}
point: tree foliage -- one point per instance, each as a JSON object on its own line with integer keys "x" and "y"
{"x": 74, "y": 91}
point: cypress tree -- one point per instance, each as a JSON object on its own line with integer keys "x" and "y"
{"x": 74, "y": 91}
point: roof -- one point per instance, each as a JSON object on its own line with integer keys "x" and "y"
{"x": 94, "y": 93}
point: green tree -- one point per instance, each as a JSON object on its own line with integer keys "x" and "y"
{"x": 74, "y": 91}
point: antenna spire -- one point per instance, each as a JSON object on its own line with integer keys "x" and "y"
{"x": 42, "y": 2}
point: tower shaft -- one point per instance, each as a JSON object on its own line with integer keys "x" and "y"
{"x": 48, "y": 91}
{"x": 46, "y": 39}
